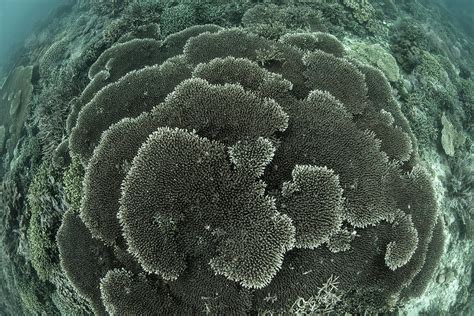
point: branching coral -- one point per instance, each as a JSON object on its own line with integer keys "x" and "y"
{"x": 362, "y": 9}
{"x": 52, "y": 58}
{"x": 323, "y": 302}
{"x": 73, "y": 184}
{"x": 44, "y": 222}
{"x": 272, "y": 21}
{"x": 215, "y": 182}
{"x": 408, "y": 44}
{"x": 365, "y": 14}
{"x": 177, "y": 18}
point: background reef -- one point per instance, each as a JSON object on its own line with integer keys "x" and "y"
{"x": 423, "y": 48}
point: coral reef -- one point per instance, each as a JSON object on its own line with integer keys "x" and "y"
{"x": 238, "y": 205}
{"x": 238, "y": 157}
{"x": 407, "y": 45}
{"x": 272, "y": 21}
{"x": 362, "y": 9}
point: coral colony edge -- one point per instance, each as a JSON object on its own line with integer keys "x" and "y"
{"x": 234, "y": 158}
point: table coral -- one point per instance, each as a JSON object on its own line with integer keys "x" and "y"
{"x": 215, "y": 183}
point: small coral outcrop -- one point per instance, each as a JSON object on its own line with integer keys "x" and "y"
{"x": 377, "y": 56}
{"x": 228, "y": 173}
{"x": 451, "y": 139}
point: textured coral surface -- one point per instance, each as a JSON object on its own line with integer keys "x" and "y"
{"x": 217, "y": 179}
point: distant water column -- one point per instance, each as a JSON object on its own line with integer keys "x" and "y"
{"x": 17, "y": 18}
